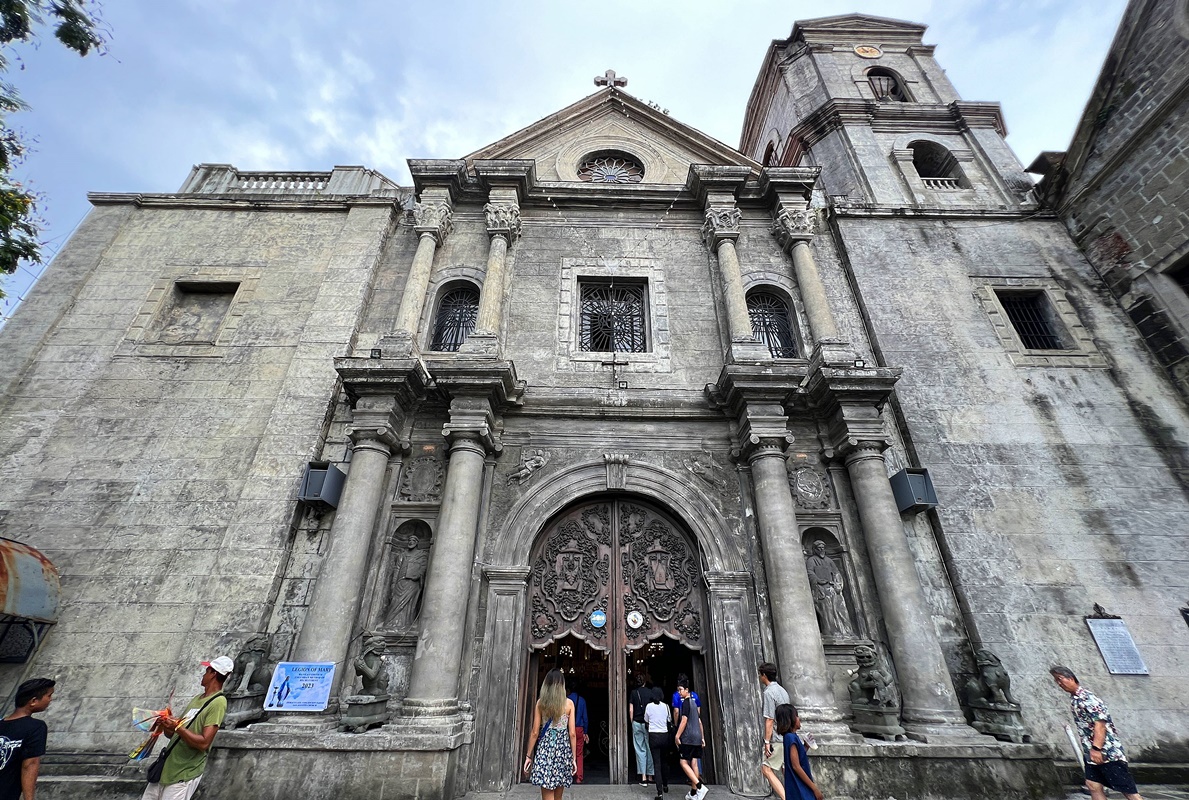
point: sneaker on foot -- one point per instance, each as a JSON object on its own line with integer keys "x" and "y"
{"x": 701, "y": 795}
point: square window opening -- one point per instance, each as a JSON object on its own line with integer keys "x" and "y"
{"x": 1034, "y": 320}
{"x": 613, "y": 316}
{"x": 193, "y": 313}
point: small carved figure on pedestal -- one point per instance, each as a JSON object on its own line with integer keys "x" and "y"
{"x": 825, "y": 579}
{"x": 988, "y": 695}
{"x": 874, "y": 698}
{"x": 246, "y": 685}
{"x": 405, "y": 602}
{"x": 370, "y": 706}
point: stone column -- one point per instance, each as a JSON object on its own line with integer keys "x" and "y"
{"x": 720, "y": 230}
{"x": 437, "y": 665}
{"x": 326, "y": 631}
{"x": 432, "y": 221}
{"x": 503, "y": 225}
{"x": 794, "y": 228}
{"x": 799, "y": 647}
{"x": 930, "y": 704}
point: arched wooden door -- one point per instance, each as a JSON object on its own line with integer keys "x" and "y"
{"x": 629, "y": 566}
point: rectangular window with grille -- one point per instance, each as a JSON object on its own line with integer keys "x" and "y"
{"x": 1033, "y": 320}
{"x": 613, "y": 316}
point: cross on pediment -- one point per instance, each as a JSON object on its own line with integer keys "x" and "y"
{"x": 609, "y": 78}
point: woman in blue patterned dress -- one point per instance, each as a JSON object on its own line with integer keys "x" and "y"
{"x": 550, "y": 762}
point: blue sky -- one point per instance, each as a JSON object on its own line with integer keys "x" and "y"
{"x": 304, "y": 85}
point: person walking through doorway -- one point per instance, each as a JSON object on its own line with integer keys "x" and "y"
{"x": 550, "y": 762}
{"x": 656, "y": 715}
{"x": 691, "y": 739}
{"x": 581, "y": 729}
{"x": 636, "y": 702}
{"x": 773, "y": 758}
{"x": 676, "y": 706}
{"x": 1102, "y": 751}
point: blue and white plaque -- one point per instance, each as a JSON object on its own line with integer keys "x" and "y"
{"x": 598, "y": 618}
{"x": 300, "y": 686}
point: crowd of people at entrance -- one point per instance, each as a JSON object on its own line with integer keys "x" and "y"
{"x": 553, "y": 756}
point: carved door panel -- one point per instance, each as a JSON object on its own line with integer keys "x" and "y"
{"x": 631, "y": 562}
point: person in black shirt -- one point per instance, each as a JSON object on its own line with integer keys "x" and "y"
{"x": 22, "y": 740}
{"x": 640, "y": 697}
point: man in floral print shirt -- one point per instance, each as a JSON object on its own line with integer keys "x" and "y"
{"x": 1102, "y": 752}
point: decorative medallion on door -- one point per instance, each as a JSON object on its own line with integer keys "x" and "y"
{"x": 615, "y": 543}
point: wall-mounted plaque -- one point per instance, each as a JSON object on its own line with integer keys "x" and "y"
{"x": 1117, "y": 647}
{"x": 300, "y": 686}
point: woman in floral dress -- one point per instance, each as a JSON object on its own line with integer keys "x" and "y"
{"x": 550, "y": 762}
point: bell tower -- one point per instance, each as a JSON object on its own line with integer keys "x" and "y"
{"x": 863, "y": 98}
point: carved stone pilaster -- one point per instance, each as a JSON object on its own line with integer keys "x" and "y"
{"x": 793, "y": 225}
{"x": 434, "y": 217}
{"x": 503, "y": 219}
{"x": 722, "y": 223}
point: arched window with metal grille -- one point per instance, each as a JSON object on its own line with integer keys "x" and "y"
{"x": 458, "y": 310}
{"x": 771, "y": 324}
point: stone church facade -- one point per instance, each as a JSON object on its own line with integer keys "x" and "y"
{"x": 612, "y": 396}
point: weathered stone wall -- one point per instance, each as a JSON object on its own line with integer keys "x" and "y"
{"x": 1123, "y": 190}
{"x": 1059, "y": 487}
{"x": 161, "y": 478}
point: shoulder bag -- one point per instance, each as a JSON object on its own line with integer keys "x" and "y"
{"x": 153, "y": 774}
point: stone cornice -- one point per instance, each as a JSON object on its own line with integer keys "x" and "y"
{"x": 721, "y": 582}
{"x": 444, "y": 173}
{"x": 405, "y": 379}
{"x": 926, "y": 117}
{"x": 477, "y": 377}
{"x": 706, "y": 181}
{"x": 784, "y": 183}
{"x": 740, "y": 383}
{"x": 238, "y": 202}
{"x": 519, "y": 173}
{"x": 850, "y": 400}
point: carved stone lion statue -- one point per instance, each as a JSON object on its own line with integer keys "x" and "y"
{"x": 992, "y": 684}
{"x": 873, "y": 684}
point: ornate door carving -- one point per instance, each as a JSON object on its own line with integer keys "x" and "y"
{"x": 623, "y": 558}
{"x": 634, "y": 564}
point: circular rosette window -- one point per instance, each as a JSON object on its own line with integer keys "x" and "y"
{"x": 610, "y": 167}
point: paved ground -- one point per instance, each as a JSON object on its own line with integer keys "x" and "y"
{"x": 589, "y": 792}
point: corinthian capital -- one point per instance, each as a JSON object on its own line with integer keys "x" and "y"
{"x": 794, "y": 224}
{"x": 503, "y": 219}
{"x": 722, "y": 222}
{"x": 434, "y": 218}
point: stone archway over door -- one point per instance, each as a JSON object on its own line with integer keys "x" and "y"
{"x": 630, "y": 561}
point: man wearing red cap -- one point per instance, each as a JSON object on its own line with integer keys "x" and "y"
{"x": 192, "y": 735}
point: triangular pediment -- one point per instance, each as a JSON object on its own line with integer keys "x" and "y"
{"x": 613, "y": 120}
{"x": 847, "y": 26}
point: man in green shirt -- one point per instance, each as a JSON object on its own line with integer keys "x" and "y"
{"x": 192, "y": 735}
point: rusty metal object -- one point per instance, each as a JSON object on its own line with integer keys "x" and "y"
{"x": 29, "y": 586}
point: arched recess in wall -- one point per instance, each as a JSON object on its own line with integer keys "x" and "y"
{"x": 456, "y": 310}
{"x": 887, "y": 86}
{"x": 936, "y": 165}
{"x": 769, "y": 155}
{"x": 772, "y": 322}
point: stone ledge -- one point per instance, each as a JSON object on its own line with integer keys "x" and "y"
{"x": 872, "y": 748}
{"x": 387, "y": 738}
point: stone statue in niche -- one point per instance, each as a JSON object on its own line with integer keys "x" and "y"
{"x": 825, "y": 579}
{"x": 404, "y": 604}
{"x": 874, "y": 698}
{"x": 988, "y": 695}
{"x": 370, "y": 706}
{"x": 532, "y": 461}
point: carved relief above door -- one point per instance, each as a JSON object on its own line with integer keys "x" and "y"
{"x": 625, "y": 559}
